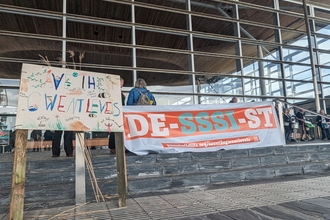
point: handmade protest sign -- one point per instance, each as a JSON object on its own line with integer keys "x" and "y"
{"x": 53, "y": 98}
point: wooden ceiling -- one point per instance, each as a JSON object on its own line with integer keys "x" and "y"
{"x": 42, "y": 35}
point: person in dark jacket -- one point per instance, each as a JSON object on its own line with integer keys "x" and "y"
{"x": 36, "y": 136}
{"x": 287, "y": 124}
{"x": 233, "y": 100}
{"x": 68, "y": 145}
{"x": 277, "y": 106}
{"x": 300, "y": 115}
{"x": 324, "y": 124}
{"x": 11, "y": 145}
{"x": 48, "y": 135}
{"x": 134, "y": 94}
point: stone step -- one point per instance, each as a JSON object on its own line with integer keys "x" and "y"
{"x": 167, "y": 165}
{"x": 53, "y": 180}
{"x": 54, "y": 191}
{"x": 244, "y": 157}
{"x": 157, "y": 165}
{"x": 207, "y": 179}
{"x": 211, "y": 168}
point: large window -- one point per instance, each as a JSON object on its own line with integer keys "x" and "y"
{"x": 203, "y": 53}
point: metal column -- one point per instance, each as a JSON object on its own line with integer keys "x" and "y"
{"x": 238, "y": 47}
{"x": 191, "y": 59}
{"x": 133, "y": 43}
{"x": 311, "y": 55}
{"x": 278, "y": 38}
{"x": 261, "y": 73}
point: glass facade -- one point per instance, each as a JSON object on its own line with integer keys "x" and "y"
{"x": 189, "y": 51}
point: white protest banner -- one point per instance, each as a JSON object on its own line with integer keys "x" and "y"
{"x": 200, "y": 128}
{"x": 53, "y": 98}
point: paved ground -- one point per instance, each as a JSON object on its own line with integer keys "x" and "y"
{"x": 294, "y": 197}
{"x": 299, "y": 197}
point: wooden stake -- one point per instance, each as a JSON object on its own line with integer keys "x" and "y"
{"x": 18, "y": 176}
{"x": 80, "y": 169}
{"x": 121, "y": 168}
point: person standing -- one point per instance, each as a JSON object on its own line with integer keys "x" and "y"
{"x": 56, "y": 143}
{"x": 139, "y": 89}
{"x": 287, "y": 124}
{"x": 300, "y": 115}
{"x": 323, "y": 123}
{"x": 277, "y": 106}
{"x": 36, "y": 136}
{"x": 233, "y": 100}
{"x": 49, "y": 135}
{"x": 112, "y": 135}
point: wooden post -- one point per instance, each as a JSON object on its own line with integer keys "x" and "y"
{"x": 121, "y": 168}
{"x": 80, "y": 169}
{"x": 18, "y": 177}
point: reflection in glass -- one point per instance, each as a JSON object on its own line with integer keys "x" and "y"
{"x": 298, "y": 72}
{"x": 294, "y": 55}
{"x": 300, "y": 89}
{"x": 174, "y": 99}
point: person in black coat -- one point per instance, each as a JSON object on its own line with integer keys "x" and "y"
{"x": 300, "y": 115}
{"x": 324, "y": 124}
{"x": 68, "y": 145}
{"x": 36, "y": 136}
{"x": 287, "y": 124}
{"x": 233, "y": 100}
{"x": 48, "y": 135}
{"x": 11, "y": 145}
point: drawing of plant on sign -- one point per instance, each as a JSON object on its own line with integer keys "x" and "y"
{"x": 65, "y": 99}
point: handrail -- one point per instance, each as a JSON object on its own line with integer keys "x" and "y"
{"x": 306, "y": 110}
{"x": 295, "y": 106}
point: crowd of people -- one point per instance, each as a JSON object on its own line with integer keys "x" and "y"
{"x": 298, "y": 121}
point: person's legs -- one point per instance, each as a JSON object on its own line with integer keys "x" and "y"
{"x": 56, "y": 143}
{"x": 327, "y": 133}
{"x": 112, "y": 146}
{"x": 287, "y": 136}
{"x": 308, "y": 137}
{"x": 7, "y": 149}
{"x": 324, "y": 134}
{"x": 302, "y": 133}
{"x": 287, "y": 130}
{"x": 68, "y": 146}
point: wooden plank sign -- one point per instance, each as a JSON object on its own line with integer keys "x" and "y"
{"x": 53, "y": 98}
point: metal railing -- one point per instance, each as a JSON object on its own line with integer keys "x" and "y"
{"x": 280, "y": 114}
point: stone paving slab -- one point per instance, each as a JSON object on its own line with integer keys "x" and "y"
{"x": 308, "y": 209}
{"x": 252, "y": 201}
